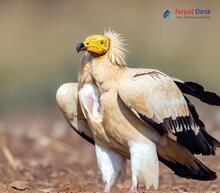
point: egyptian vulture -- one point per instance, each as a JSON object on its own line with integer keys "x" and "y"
{"x": 137, "y": 114}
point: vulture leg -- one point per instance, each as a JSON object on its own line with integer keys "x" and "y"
{"x": 111, "y": 166}
{"x": 144, "y": 165}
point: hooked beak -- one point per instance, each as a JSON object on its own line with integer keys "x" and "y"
{"x": 80, "y": 47}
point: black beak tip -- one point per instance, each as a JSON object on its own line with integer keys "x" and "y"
{"x": 80, "y": 46}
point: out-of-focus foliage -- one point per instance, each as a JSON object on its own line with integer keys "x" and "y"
{"x": 38, "y": 39}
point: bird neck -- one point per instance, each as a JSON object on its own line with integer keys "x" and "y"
{"x": 105, "y": 71}
{"x": 84, "y": 74}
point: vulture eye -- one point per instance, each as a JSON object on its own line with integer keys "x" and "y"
{"x": 101, "y": 42}
{"x": 87, "y": 43}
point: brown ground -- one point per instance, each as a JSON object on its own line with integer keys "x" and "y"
{"x": 41, "y": 154}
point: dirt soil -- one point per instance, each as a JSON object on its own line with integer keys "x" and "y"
{"x": 43, "y": 154}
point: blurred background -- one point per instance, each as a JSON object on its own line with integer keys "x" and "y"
{"x": 38, "y": 40}
{"x": 37, "y": 55}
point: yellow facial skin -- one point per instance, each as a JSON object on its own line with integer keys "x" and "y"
{"x": 97, "y": 45}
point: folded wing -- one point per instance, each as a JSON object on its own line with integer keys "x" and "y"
{"x": 67, "y": 99}
{"x": 156, "y": 100}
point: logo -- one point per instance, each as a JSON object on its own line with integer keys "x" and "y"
{"x": 188, "y": 13}
{"x": 167, "y": 14}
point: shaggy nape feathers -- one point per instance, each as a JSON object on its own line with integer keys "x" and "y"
{"x": 117, "y": 52}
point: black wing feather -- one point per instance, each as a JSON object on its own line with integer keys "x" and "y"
{"x": 196, "y": 90}
{"x": 197, "y": 143}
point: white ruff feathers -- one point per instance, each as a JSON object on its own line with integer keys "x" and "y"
{"x": 117, "y": 52}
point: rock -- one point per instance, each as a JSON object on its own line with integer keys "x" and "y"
{"x": 20, "y": 185}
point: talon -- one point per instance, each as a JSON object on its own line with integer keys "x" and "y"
{"x": 134, "y": 188}
{"x": 107, "y": 188}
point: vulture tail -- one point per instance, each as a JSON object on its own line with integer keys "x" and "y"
{"x": 183, "y": 163}
{"x": 196, "y": 90}
{"x": 214, "y": 142}
{"x": 208, "y": 138}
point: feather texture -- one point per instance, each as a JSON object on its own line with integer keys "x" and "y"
{"x": 117, "y": 52}
{"x": 160, "y": 104}
{"x": 67, "y": 99}
{"x": 196, "y": 90}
